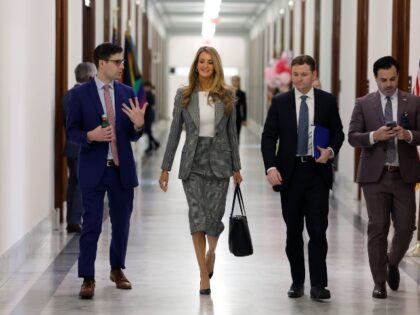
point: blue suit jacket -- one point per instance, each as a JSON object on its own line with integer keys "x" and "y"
{"x": 71, "y": 150}
{"x": 85, "y": 112}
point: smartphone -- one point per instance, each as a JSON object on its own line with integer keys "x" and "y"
{"x": 391, "y": 124}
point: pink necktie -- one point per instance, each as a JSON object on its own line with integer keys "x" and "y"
{"x": 111, "y": 119}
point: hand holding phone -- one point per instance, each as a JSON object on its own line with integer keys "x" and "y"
{"x": 385, "y": 132}
{"x": 391, "y": 124}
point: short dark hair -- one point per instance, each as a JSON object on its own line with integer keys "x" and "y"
{"x": 104, "y": 51}
{"x": 148, "y": 83}
{"x": 84, "y": 71}
{"x": 385, "y": 63}
{"x": 304, "y": 59}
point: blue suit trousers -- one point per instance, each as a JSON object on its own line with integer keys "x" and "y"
{"x": 120, "y": 209}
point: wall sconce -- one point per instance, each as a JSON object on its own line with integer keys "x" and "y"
{"x": 281, "y": 11}
{"x": 87, "y": 3}
{"x": 291, "y": 4}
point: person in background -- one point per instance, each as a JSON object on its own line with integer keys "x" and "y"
{"x": 84, "y": 72}
{"x": 386, "y": 125}
{"x": 210, "y": 155}
{"x": 149, "y": 117}
{"x": 106, "y": 161}
{"x": 240, "y": 104}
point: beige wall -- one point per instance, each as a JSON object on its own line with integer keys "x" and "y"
{"x": 27, "y": 60}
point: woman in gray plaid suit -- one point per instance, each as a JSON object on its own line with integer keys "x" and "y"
{"x": 210, "y": 154}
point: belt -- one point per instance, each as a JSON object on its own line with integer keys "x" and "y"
{"x": 305, "y": 159}
{"x": 110, "y": 163}
{"x": 391, "y": 168}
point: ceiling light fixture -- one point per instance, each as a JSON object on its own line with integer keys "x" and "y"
{"x": 210, "y": 18}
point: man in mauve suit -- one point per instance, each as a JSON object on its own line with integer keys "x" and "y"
{"x": 386, "y": 126}
{"x": 106, "y": 161}
{"x": 84, "y": 72}
{"x": 303, "y": 181}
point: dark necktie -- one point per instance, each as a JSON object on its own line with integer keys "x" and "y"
{"x": 111, "y": 119}
{"x": 302, "y": 145}
{"x": 391, "y": 153}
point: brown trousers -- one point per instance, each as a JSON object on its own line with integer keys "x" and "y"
{"x": 388, "y": 198}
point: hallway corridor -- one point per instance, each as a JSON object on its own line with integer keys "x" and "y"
{"x": 162, "y": 268}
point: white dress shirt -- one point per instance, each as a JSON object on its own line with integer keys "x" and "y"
{"x": 310, "y": 101}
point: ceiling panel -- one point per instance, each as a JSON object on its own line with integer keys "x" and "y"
{"x": 186, "y": 16}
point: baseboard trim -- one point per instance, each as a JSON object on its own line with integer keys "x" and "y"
{"x": 15, "y": 256}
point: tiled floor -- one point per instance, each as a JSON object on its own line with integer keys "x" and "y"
{"x": 162, "y": 266}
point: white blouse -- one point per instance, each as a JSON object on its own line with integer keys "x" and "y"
{"x": 207, "y": 115}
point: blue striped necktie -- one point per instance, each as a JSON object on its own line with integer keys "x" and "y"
{"x": 303, "y": 128}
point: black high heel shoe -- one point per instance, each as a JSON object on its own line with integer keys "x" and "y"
{"x": 205, "y": 291}
{"x": 214, "y": 261}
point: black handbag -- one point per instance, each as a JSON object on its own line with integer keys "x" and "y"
{"x": 240, "y": 243}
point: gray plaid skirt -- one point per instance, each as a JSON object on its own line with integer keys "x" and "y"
{"x": 206, "y": 193}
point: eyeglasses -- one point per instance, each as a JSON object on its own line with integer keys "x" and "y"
{"x": 117, "y": 62}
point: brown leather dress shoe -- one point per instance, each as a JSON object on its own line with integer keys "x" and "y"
{"x": 120, "y": 280}
{"x": 379, "y": 291}
{"x": 87, "y": 291}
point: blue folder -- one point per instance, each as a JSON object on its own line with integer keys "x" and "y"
{"x": 321, "y": 138}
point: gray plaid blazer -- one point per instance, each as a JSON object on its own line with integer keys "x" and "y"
{"x": 224, "y": 157}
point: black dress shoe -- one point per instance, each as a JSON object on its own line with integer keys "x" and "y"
{"x": 295, "y": 291}
{"x": 73, "y": 228}
{"x": 379, "y": 291}
{"x": 320, "y": 293}
{"x": 393, "y": 278}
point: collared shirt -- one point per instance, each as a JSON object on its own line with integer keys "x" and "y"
{"x": 310, "y": 101}
{"x": 100, "y": 86}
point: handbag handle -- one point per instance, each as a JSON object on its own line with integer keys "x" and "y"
{"x": 238, "y": 194}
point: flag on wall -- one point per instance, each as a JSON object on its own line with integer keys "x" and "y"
{"x": 416, "y": 91}
{"x": 416, "y": 87}
{"x": 132, "y": 75}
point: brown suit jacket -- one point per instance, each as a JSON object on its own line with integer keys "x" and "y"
{"x": 368, "y": 116}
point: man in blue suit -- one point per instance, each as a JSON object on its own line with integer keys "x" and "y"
{"x": 106, "y": 161}
{"x": 84, "y": 72}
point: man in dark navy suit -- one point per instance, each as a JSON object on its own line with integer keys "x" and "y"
{"x": 106, "y": 161}
{"x": 303, "y": 181}
{"x": 84, "y": 72}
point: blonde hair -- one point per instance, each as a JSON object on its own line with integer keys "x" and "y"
{"x": 218, "y": 89}
{"x": 237, "y": 78}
